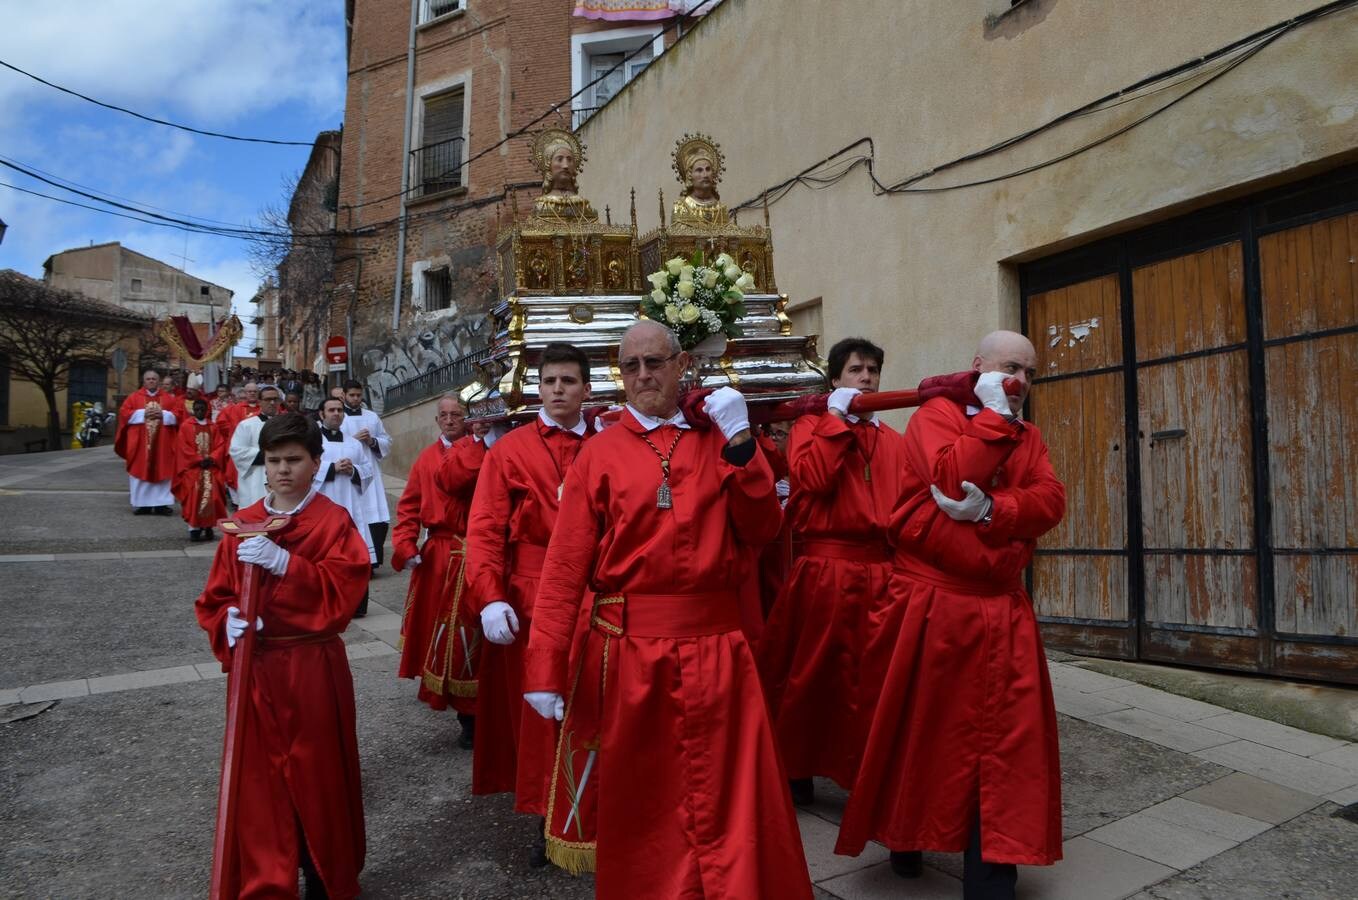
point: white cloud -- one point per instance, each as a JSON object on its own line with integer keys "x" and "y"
{"x": 212, "y": 60}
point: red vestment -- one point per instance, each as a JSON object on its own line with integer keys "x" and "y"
{"x": 149, "y": 448}
{"x": 300, "y": 751}
{"x": 775, "y": 560}
{"x": 438, "y": 641}
{"x": 965, "y": 719}
{"x": 667, "y": 781}
{"x": 512, "y": 517}
{"x": 845, "y": 478}
{"x": 226, "y": 423}
{"x": 201, "y": 492}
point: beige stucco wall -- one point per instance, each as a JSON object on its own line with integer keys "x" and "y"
{"x": 782, "y": 85}
{"x": 412, "y": 429}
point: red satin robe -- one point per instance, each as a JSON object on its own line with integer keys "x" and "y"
{"x": 226, "y": 423}
{"x": 821, "y": 690}
{"x": 512, "y": 516}
{"x": 201, "y": 492}
{"x": 965, "y": 719}
{"x": 150, "y": 451}
{"x": 300, "y": 749}
{"x": 667, "y": 780}
{"x": 440, "y": 635}
{"x": 775, "y": 560}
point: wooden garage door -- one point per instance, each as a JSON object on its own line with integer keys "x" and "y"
{"x": 1079, "y": 578}
{"x": 1309, "y": 288}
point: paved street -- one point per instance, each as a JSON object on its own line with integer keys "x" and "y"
{"x": 109, "y": 791}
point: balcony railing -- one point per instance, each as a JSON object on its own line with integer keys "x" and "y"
{"x": 581, "y": 116}
{"x": 451, "y": 376}
{"x": 437, "y": 167}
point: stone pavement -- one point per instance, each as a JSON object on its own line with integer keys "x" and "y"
{"x": 110, "y": 791}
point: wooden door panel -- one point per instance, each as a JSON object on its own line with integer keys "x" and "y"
{"x": 1207, "y": 591}
{"x": 1309, "y": 277}
{"x": 1190, "y": 303}
{"x": 1076, "y": 328}
{"x": 1313, "y": 442}
{"x": 1084, "y": 587}
{"x": 1316, "y": 594}
{"x": 1196, "y": 464}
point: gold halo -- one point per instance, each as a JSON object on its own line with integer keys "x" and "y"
{"x": 691, "y": 147}
{"x": 547, "y": 141}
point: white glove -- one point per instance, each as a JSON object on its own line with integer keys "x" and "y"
{"x": 973, "y": 507}
{"x": 726, "y": 407}
{"x": 264, "y": 553}
{"x": 499, "y": 623}
{"x": 413, "y": 561}
{"x": 547, "y": 704}
{"x": 990, "y": 391}
{"x": 235, "y": 625}
{"x": 840, "y": 398}
{"x": 783, "y": 487}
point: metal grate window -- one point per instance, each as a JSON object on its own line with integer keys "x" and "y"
{"x": 434, "y": 9}
{"x": 438, "y": 163}
{"x": 438, "y": 289}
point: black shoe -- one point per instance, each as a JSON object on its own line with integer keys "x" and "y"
{"x": 362, "y": 608}
{"x": 141, "y": 510}
{"x": 537, "y": 853}
{"x": 907, "y": 863}
{"x": 467, "y": 739}
{"x": 195, "y": 535}
{"x": 803, "y": 791}
{"x": 209, "y": 534}
{"x": 313, "y": 888}
{"x": 164, "y": 511}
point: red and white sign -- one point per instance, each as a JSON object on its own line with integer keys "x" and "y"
{"x": 337, "y": 354}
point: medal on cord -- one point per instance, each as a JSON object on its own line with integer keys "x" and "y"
{"x": 664, "y": 498}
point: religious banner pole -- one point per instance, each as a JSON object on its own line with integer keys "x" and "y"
{"x": 237, "y": 696}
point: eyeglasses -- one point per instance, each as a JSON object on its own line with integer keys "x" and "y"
{"x": 632, "y": 365}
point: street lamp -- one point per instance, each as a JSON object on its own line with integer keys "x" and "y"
{"x": 3, "y": 229}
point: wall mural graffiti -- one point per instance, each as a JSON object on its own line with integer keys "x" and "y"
{"x": 431, "y": 340}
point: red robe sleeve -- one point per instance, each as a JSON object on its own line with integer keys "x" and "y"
{"x": 461, "y": 465}
{"x": 130, "y": 405}
{"x": 938, "y": 451}
{"x": 406, "y": 535}
{"x": 751, "y": 500}
{"x": 1030, "y": 509}
{"x": 816, "y": 449}
{"x": 488, "y": 532}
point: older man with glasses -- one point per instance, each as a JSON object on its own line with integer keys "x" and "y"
{"x": 668, "y": 783}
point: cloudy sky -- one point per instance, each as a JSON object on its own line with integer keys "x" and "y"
{"x": 258, "y": 68}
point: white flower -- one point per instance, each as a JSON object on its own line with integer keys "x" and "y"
{"x": 689, "y": 313}
{"x": 685, "y": 273}
{"x": 711, "y": 320}
{"x": 674, "y": 265}
{"x": 709, "y": 277}
{"x": 745, "y": 282}
{"x": 724, "y": 260}
{"x": 672, "y": 313}
{"x": 659, "y": 296}
{"x": 685, "y": 289}
{"x": 732, "y": 272}
{"x": 659, "y": 280}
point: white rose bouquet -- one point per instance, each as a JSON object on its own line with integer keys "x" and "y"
{"x": 695, "y": 299}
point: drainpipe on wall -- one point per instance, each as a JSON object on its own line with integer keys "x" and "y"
{"x": 405, "y": 168}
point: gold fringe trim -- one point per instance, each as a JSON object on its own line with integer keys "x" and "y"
{"x": 574, "y": 858}
{"x": 448, "y": 687}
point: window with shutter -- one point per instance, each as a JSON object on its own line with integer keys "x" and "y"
{"x": 439, "y": 160}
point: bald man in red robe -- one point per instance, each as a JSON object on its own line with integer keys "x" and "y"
{"x": 667, "y": 783}
{"x": 845, "y": 474}
{"x": 513, "y": 514}
{"x": 437, "y": 580}
{"x": 300, "y": 798}
{"x": 146, "y": 440}
{"x": 962, "y": 754}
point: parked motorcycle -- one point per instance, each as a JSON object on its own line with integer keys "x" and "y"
{"x": 95, "y": 423}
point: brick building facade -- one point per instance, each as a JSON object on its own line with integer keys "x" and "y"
{"x": 482, "y": 69}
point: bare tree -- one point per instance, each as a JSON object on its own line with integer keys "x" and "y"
{"x": 43, "y": 331}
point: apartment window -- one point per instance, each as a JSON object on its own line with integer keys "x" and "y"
{"x": 607, "y": 61}
{"x": 438, "y": 289}
{"x": 204, "y": 291}
{"x": 437, "y": 9}
{"x": 136, "y": 285}
{"x": 438, "y": 161}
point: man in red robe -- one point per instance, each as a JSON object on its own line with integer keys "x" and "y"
{"x": 512, "y": 516}
{"x": 667, "y": 780}
{"x": 962, "y": 754}
{"x": 199, "y": 485}
{"x": 437, "y": 585}
{"x": 300, "y": 800}
{"x": 226, "y": 423}
{"x": 146, "y": 441}
{"x": 845, "y": 474}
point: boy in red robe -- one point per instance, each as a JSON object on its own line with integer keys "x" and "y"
{"x": 667, "y": 781}
{"x": 300, "y": 798}
{"x": 512, "y": 516}
{"x": 845, "y": 475}
{"x": 199, "y": 485}
{"x": 962, "y": 754}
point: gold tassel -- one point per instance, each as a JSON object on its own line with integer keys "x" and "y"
{"x": 574, "y": 858}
